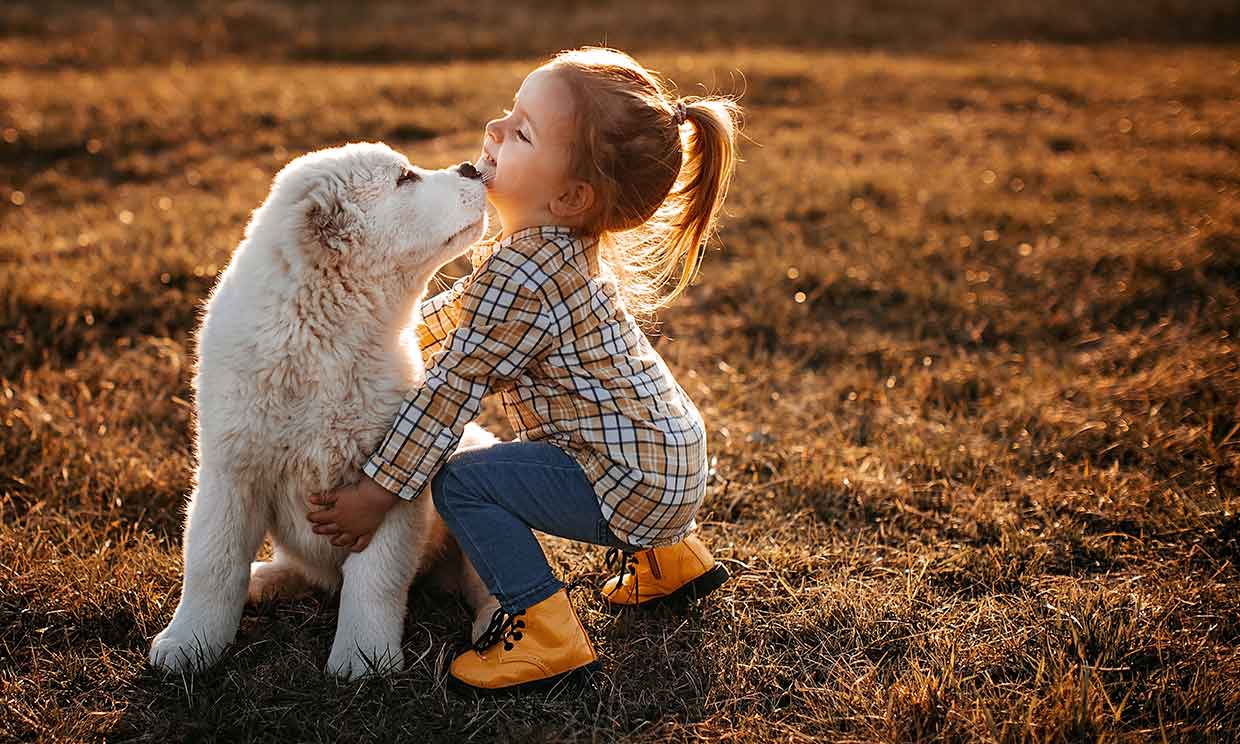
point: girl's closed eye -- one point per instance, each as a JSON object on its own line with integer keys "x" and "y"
{"x": 526, "y": 140}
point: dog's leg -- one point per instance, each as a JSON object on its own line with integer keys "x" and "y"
{"x": 453, "y": 573}
{"x": 373, "y": 599}
{"x": 282, "y": 577}
{"x": 477, "y": 597}
{"x": 221, "y": 538}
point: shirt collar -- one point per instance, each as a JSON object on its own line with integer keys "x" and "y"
{"x": 545, "y": 231}
{"x": 577, "y": 246}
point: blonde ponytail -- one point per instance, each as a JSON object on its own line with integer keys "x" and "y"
{"x": 710, "y": 160}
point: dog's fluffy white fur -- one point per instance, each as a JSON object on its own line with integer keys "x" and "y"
{"x": 301, "y": 369}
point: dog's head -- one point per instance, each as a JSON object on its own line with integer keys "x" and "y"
{"x": 365, "y": 206}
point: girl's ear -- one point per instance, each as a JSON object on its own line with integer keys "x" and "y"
{"x": 576, "y": 199}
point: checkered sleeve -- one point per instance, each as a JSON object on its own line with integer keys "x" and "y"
{"x": 439, "y": 317}
{"x": 503, "y": 326}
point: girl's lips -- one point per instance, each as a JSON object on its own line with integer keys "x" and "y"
{"x": 486, "y": 166}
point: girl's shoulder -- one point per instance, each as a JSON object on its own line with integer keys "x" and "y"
{"x": 551, "y": 258}
{"x": 524, "y": 242}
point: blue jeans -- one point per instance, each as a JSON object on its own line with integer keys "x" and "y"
{"x": 492, "y": 497}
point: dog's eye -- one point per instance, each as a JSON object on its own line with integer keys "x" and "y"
{"x": 407, "y": 176}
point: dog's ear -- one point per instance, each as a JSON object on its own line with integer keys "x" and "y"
{"x": 331, "y": 219}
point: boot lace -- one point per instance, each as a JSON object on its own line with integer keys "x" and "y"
{"x": 504, "y": 625}
{"x": 627, "y": 563}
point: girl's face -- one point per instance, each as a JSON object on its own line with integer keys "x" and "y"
{"x": 526, "y": 153}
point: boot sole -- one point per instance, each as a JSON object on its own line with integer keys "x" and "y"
{"x": 581, "y": 676}
{"x": 692, "y": 591}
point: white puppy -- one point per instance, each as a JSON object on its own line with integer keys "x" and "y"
{"x": 301, "y": 371}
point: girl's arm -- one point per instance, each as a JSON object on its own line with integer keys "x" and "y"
{"x": 440, "y": 316}
{"x": 441, "y": 312}
{"x": 503, "y": 327}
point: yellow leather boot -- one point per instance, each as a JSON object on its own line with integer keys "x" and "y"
{"x": 534, "y": 648}
{"x": 684, "y": 571}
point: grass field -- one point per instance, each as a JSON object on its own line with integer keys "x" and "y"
{"x": 968, "y": 348}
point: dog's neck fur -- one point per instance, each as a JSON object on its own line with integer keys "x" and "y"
{"x": 335, "y": 313}
{"x": 370, "y": 311}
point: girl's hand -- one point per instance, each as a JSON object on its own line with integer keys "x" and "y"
{"x": 351, "y": 514}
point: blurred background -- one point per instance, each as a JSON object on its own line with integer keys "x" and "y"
{"x": 125, "y": 33}
{"x": 965, "y": 345}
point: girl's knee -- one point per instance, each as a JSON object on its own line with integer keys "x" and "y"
{"x": 449, "y": 486}
{"x": 442, "y": 489}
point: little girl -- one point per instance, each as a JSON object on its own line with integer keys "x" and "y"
{"x": 606, "y": 188}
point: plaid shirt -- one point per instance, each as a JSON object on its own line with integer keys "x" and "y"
{"x": 538, "y": 323}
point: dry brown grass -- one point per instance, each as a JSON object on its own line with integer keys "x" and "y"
{"x": 967, "y": 353}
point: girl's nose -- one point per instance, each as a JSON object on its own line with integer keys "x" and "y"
{"x": 492, "y": 130}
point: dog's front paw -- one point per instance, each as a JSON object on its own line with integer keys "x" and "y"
{"x": 175, "y": 651}
{"x": 352, "y": 659}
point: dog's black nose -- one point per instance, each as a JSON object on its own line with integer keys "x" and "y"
{"x": 468, "y": 170}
